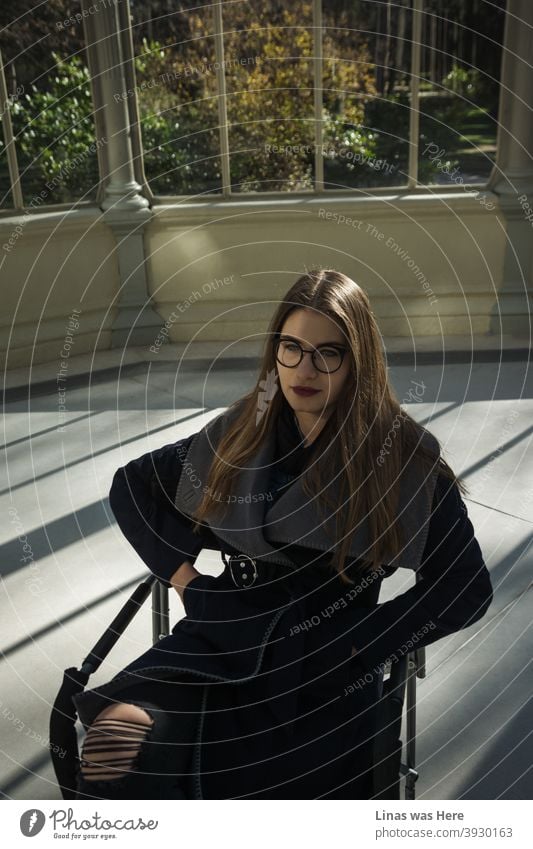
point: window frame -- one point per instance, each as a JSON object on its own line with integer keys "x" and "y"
{"x": 226, "y": 196}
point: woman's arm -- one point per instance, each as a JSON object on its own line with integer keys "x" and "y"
{"x": 455, "y": 590}
{"x": 142, "y": 500}
{"x": 183, "y": 576}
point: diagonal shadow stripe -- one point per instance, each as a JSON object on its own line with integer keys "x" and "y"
{"x": 102, "y": 451}
{"x": 427, "y": 420}
{"x": 483, "y": 461}
{"x": 28, "y": 771}
{"x": 47, "y": 629}
{"x": 57, "y": 534}
{"x": 52, "y": 429}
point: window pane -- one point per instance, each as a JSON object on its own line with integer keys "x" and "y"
{"x": 6, "y": 199}
{"x": 52, "y": 108}
{"x": 460, "y": 73}
{"x": 177, "y": 93}
{"x": 269, "y": 86}
{"x": 366, "y": 78}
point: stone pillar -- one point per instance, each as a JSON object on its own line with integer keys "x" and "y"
{"x": 124, "y": 207}
{"x": 512, "y": 176}
{"x": 513, "y": 171}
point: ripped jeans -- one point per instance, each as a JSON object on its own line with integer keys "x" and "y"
{"x": 162, "y": 766}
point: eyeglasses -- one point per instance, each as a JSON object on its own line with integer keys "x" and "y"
{"x": 327, "y": 359}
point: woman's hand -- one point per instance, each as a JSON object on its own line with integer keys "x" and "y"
{"x": 182, "y": 576}
{"x": 354, "y": 650}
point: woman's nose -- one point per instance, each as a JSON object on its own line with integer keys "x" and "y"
{"x": 306, "y": 367}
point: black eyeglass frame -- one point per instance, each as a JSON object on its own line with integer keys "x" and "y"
{"x": 278, "y": 338}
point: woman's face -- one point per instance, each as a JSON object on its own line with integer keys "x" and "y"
{"x": 312, "y": 330}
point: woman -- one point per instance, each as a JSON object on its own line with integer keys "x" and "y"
{"x": 314, "y": 489}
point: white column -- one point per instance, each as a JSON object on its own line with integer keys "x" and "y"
{"x": 513, "y": 171}
{"x": 106, "y": 66}
{"x": 125, "y": 209}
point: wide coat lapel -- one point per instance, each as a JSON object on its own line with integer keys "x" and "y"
{"x": 243, "y": 525}
{"x": 255, "y": 526}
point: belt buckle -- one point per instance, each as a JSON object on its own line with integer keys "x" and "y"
{"x": 243, "y": 570}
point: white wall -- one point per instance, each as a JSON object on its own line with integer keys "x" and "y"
{"x": 57, "y": 262}
{"x": 466, "y": 267}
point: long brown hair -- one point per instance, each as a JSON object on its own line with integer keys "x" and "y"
{"x": 365, "y": 440}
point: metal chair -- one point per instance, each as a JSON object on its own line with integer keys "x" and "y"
{"x": 388, "y": 770}
{"x": 63, "y": 735}
{"x": 388, "y": 750}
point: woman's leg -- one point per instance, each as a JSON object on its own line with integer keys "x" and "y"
{"x": 141, "y": 746}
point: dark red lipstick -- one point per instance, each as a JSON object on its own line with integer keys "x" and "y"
{"x": 304, "y": 390}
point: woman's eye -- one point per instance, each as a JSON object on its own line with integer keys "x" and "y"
{"x": 329, "y": 352}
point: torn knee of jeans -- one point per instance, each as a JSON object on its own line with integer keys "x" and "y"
{"x": 112, "y": 745}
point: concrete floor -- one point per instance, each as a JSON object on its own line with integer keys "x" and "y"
{"x": 474, "y": 706}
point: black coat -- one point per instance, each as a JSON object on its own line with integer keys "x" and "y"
{"x": 287, "y": 711}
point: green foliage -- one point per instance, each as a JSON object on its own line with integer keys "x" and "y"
{"x": 270, "y": 102}
{"x": 461, "y": 81}
{"x": 456, "y": 120}
{"x": 54, "y": 130}
{"x": 270, "y": 106}
{"x": 180, "y": 155}
{"x": 473, "y": 85}
{"x": 388, "y": 119}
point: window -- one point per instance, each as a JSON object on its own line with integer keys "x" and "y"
{"x": 258, "y": 97}
{"x": 176, "y": 87}
{"x": 49, "y": 131}
{"x": 318, "y": 96}
{"x": 459, "y": 90}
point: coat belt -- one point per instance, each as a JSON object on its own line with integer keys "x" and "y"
{"x": 246, "y": 571}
